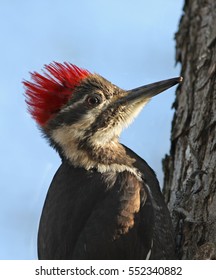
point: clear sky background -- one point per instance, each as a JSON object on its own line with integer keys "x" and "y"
{"x": 131, "y": 43}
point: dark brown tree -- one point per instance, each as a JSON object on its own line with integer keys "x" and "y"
{"x": 190, "y": 168}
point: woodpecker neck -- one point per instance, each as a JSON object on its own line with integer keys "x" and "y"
{"x": 109, "y": 157}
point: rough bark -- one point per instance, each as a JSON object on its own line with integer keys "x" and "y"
{"x": 190, "y": 168}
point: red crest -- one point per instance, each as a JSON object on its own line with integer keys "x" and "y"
{"x": 47, "y": 93}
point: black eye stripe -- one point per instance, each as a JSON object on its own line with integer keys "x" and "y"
{"x": 69, "y": 117}
{"x": 75, "y": 113}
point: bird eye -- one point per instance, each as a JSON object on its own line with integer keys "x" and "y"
{"x": 93, "y": 100}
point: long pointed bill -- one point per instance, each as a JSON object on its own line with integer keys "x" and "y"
{"x": 150, "y": 90}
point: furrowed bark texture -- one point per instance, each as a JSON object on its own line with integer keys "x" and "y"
{"x": 190, "y": 169}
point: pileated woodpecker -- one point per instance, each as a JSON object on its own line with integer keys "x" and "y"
{"x": 104, "y": 201}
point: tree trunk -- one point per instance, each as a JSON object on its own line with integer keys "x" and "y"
{"x": 190, "y": 169}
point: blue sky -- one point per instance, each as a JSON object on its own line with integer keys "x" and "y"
{"x": 131, "y": 43}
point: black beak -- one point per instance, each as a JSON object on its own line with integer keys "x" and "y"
{"x": 150, "y": 90}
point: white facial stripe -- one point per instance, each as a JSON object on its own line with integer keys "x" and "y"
{"x": 104, "y": 139}
{"x": 72, "y": 106}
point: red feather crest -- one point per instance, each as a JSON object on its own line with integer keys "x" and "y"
{"x": 47, "y": 93}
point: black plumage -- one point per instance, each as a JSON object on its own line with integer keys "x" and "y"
{"x": 82, "y": 217}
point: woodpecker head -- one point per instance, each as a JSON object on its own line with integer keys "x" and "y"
{"x": 83, "y": 114}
